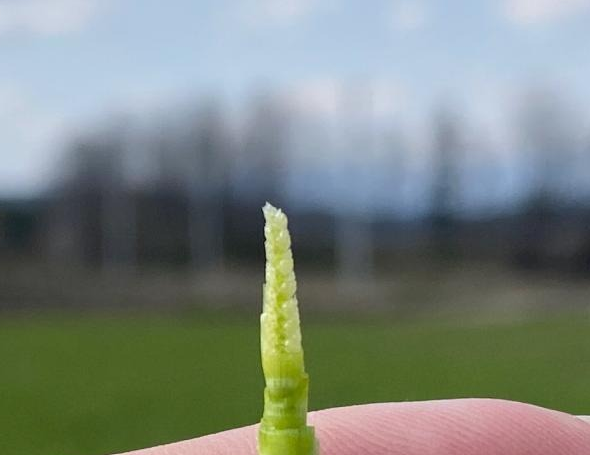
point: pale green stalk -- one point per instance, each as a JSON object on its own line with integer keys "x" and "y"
{"x": 283, "y": 428}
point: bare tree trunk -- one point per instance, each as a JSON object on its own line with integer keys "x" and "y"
{"x": 64, "y": 231}
{"x": 354, "y": 236}
{"x": 354, "y": 244}
{"x": 118, "y": 223}
{"x": 206, "y": 232}
{"x": 445, "y": 185}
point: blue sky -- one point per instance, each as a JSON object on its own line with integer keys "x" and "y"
{"x": 64, "y": 63}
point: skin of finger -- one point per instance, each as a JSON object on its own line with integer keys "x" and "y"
{"x": 445, "y": 427}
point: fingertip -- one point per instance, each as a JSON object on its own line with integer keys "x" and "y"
{"x": 478, "y": 426}
{"x": 239, "y": 441}
{"x": 446, "y": 427}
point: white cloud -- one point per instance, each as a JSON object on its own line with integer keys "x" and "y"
{"x": 389, "y": 98}
{"x": 29, "y": 140}
{"x": 530, "y": 12}
{"x": 279, "y": 13}
{"x": 330, "y": 97}
{"x": 46, "y": 17}
{"x": 320, "y": 96}
{"x": 407, "y": 15}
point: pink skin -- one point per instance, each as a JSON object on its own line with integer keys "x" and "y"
{"x": 447, "y": 427}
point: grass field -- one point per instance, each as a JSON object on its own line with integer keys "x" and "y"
{"x": 91, "y": 386}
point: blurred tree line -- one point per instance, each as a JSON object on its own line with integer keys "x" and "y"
{"x": 186, "y": 190}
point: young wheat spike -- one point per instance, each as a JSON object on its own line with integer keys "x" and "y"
{"x": 283, "y": 428}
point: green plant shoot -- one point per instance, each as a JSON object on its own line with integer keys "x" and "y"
{"x": 283, "y": 428}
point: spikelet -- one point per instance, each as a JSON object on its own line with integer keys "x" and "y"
{"x": 280, "y": 318}
{"x": 283, "y": 429}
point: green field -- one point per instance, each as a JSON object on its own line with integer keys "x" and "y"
{"x": 80, "y": 386}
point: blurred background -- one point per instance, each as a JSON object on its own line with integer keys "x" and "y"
{"x": 433, "y": 158}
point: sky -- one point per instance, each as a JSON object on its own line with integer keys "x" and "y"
{"x": 67, "y": 63}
